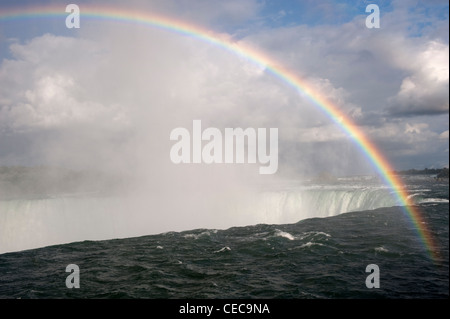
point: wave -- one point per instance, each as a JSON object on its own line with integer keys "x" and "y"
{"x": 205, "y": 233}
{"x": 280, "y": 233}
{"x": 224, "y": 249}
{"x": 310, "y": 244}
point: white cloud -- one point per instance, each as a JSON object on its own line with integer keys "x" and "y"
{"x": 44, "y": 86}
{"x": 425, "y": 89}
{"x": 415, "y": 128}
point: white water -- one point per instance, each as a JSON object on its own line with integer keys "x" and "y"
{"x": 292, "y": 205}
{"x": 27, "y": 224}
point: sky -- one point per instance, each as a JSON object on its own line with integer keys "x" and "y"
{"x": 108, "y": 94}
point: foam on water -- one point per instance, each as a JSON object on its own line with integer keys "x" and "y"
{"x": 381, "y": 249}
{"x": 433, "y": 200}
{"x": 283, "y": 234}
{"x": 314, "y": 234}
{"x": 197, "y": 236}
{"x": 310, "y": 244}
{"x": 224, "y": 249}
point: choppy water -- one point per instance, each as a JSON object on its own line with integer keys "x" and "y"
{"x": 322, "y": 257}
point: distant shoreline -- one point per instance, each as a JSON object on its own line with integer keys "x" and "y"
{"x": 426, "y": 171}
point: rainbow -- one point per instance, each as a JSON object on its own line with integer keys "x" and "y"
{"x": 370, "y": 151}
